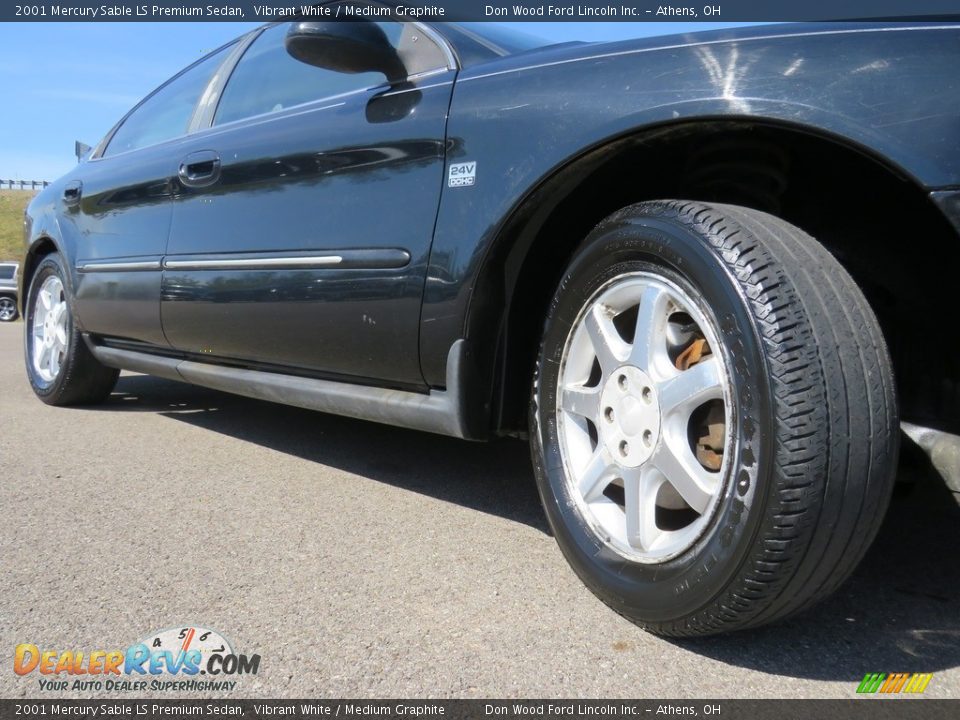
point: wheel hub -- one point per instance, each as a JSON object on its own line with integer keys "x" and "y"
{"x": 630, "y": 416}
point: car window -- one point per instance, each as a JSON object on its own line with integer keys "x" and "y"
{"x": 267, "y": 79}
{"x": 166, "y": 114}
{"x": 6, "y": 272}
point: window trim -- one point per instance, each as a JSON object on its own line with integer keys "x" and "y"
{"x": 98, "y": 153}
{"x": 440, "y": 41}
{"x": 209, "y": 113}
{"x": 324, "y": 103}
{"x": 205, "y": 109}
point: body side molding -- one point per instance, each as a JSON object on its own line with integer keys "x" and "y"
{"x": 118, "y": 265}
{"x": 438, "y": 411}
{"x": 352, "y": 259}
{"x": 256, "y": 263}
{"x": 340, "y": 259}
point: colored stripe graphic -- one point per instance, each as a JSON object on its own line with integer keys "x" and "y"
{"x": 893, "y": 683}
{"x": 919, "y": 682}
{"x": 871, "y": 682}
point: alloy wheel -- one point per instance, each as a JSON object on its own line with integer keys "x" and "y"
{"x": 8, "y": 309}
{"x": 644, "y": 416}
{"x": 49, "y": 332}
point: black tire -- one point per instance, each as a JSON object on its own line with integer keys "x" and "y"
{"x": 8, "y": 308}
{"x": 82, "y": 379}
{"x": 812, "y": 472}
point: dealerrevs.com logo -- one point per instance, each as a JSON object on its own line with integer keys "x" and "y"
{"x": 178, "y": 659}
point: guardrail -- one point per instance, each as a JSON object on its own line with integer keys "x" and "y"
{"x": 23, "y": 184}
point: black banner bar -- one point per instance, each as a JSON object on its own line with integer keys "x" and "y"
{"x": 490, "y": 10}
{"x": 859, "y": 708}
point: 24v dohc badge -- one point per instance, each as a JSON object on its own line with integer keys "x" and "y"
{"x": 462, "y": 174}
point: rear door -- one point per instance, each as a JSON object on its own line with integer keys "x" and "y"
{"x": 300, "y": 235}
{"x": 117, "y": 209}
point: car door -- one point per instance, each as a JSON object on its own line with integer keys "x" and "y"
{"x": 117, "y": 209}
{"x": 301, "y": 230}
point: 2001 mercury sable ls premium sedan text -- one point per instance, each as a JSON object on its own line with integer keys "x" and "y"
{"x": 606, "y": 247}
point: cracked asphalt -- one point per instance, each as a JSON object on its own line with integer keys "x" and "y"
{"x": 361, "y": 560}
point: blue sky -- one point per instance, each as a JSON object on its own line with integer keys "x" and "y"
{"x": 72, "y": 81}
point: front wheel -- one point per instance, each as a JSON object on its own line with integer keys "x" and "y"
{"x": 60, "y": 367}
{"x": 713, "y": 426}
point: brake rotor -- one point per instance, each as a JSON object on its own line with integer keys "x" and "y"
{"x": 711, "y": 433}
{"x": 711, "y": 437}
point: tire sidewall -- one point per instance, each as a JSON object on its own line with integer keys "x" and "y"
{"x": 681, "y": 586}
{"x": 49, "y": 266}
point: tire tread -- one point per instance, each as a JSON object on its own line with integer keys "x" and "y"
{"x": 835, "y": 415}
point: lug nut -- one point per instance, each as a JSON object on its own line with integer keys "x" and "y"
{"x": 647, "y": 395}
{"x": 647, "y": 438}
{"x": 608, "y": 414}
{"x": 624, "y": 448}
{"x": 622, "y": 382}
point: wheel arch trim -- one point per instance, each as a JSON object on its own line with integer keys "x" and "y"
{"x": 825, "y": 126}
{"x": 43, "y": 244}
{"x": 515, "y": 234}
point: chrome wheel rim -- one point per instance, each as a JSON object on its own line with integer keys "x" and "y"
{"x": 8, "y": 308}
{"x": 49, "y": 338}
{"x": 631, "y": 412}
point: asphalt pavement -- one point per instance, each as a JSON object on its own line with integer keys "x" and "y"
{"x": 360, "y": 560}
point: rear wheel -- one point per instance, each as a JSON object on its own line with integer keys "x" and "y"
{"x": 713, "y": 425}
{"x": 60, "y": 367}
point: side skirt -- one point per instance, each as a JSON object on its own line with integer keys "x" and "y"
{"x": 437, "y": 411}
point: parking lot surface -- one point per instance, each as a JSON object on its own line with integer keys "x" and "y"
{"x": 361, "y": 560}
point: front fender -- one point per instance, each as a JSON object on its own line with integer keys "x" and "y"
{"x": 888, "y": 91}
{"x": 901, "y": 156}
{"x": 42, "y": 235}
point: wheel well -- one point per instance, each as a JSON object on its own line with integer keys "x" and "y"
{"x": 881, "y": 225}
{"x": 39, "y": 250}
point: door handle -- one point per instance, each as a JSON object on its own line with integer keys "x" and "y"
{"x": 72, "y": 192}
{"x": 199, "y": 169}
